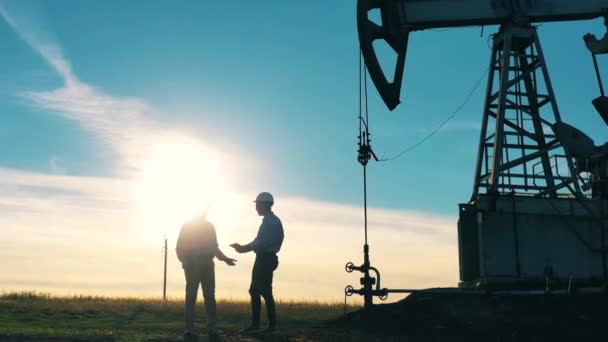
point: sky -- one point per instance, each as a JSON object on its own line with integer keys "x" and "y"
{"x": 120, "y": 120}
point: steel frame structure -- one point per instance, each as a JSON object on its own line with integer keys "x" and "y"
{"x": 518, "y": 151}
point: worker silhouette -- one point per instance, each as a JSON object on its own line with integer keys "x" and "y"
{"x": 266, "y": 245}
{"x": 597, "y": 46}
{"x": 196, "y": 247}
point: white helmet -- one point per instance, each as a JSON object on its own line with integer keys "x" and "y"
{"x": 264, "y": 197}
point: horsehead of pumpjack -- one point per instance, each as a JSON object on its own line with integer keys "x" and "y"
{"x": 588, "y": 157}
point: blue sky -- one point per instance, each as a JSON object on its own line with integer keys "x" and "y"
{"x": 278, "y": 82}
{"x": 270, "y": 86}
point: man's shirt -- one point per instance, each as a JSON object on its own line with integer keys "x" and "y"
{"x": 196, "y": 239}
{"x": 270, "y": 235}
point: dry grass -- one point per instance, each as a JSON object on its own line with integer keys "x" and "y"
{"x": 35, "y": 314}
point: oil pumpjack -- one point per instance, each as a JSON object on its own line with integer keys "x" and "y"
{"x": 538, "y": 213}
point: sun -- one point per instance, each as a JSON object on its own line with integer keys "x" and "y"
{"x": 178, "y": 179}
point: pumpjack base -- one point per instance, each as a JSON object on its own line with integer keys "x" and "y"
{"x": 519, "y": 242}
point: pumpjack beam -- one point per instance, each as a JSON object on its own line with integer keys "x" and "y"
{"x": 397, "y": 18}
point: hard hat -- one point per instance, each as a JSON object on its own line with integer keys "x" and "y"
{"x": 264, "y": 197}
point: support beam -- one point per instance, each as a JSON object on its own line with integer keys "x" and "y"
{"x": 516, "y": 134}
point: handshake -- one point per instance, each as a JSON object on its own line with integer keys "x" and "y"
{"x": 239, "y": 248}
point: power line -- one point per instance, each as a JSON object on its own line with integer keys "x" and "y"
{"x": 450, "y": 117}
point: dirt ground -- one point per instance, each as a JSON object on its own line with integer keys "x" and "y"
{"x": 437, "y": 316}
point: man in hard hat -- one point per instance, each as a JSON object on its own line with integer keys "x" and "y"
{"x": 266, "y": 245}
{"x": 196, "y": 248}
{"x": 597, "y": 46}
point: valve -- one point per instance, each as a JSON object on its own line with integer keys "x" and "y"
{"x": 383, "y": 295}
{"x": 349, "y": 290}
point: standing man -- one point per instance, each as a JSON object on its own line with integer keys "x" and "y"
{"x": 266, "y": 245}
{"x": 196, "y": 248}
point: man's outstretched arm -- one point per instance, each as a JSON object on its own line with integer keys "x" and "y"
{"x": 252, "y": 246}
{"x": 222, "y": 257}
{"x": 267, "y": 236}
{"x": 242, "y": 248}
{"x": 218, "y": 252}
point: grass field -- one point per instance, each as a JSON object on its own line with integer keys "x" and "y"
{"x": 33, "y": 316}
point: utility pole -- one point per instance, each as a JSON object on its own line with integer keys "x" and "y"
{"x": 165, "y": 273}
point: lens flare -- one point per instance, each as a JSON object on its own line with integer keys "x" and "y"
{"x": 179, "y": 179}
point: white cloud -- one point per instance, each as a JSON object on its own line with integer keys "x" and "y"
{"x": 87, "y": 232}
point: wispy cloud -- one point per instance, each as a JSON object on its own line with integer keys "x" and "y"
{"x": 120, "y": 122}
{"x": 36, "y": 37}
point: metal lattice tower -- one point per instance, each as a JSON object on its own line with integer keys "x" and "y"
{"x": 518, "y": 151}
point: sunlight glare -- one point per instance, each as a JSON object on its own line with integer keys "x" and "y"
{"x": 179, "y": 179}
